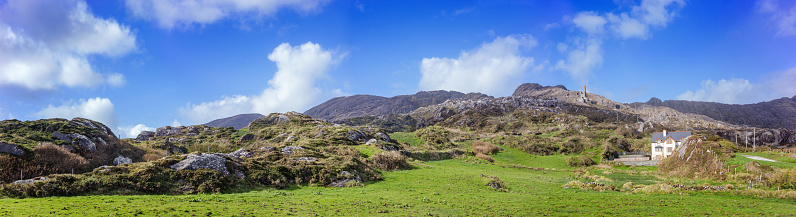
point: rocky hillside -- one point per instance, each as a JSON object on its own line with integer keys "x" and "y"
{"x": 237, "y": 121}
{"x": 50, "y": 146}
{"x": 346, "y": 107}
{"x": 779, "y": 113}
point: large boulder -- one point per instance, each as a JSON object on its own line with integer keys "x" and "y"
{"x": 241, "y": 153}
{"x": 246, "y": 137}
{"x": 357, "y": 136}
{"x": 343, "y": 178}
{"x": 168, "y": 131}
{"x": 83, "y": 141}
{"x": 122, "y": 160}
{"x": 383, "y": 137}
{"x": 11, "y": 149}
{"x": 61, "y": 136}
{"x": 290, "y": 149}
{"x": 202, "y": 161}
{"x": 145, "y": 135}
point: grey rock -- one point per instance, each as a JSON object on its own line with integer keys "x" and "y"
{"x": 11, "y": 149}
{"x": 104, "y": 168}
{"x": 31, "y": 181}
{"x": 145, "y": 135}
{"x": 356, "y": 136}
{"x": 241, "y": 153}
{"x": 61, "y": 136}
{"x": 267, "y": 148}
{"x": 122, "y": 160}
{"x": 240, "y": 175}
{"x": 389, "y": 148}
{"x": 246, "y": 137}
{"x": 203, "y": 161}
{"x": 343, "y": 178}
{"x": 383, "y": 137}
{"x": 193, "y": 129}
{"x": 191, "y": 134}
{"x": 92, "y": 124}
{"x": 83, "y": 141}
{"x": 168, "y": 131}
{"x": 289, "y": 138}
{"x": 290, "y": 149}
{"x": 372, "y": 142}
{"x": 306, "y": 159}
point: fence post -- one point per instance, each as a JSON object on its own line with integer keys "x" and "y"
{"x": 20, "y": 174}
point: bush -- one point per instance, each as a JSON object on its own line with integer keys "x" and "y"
{"x": 480, "y": 147}
{"x": 484, "y": 157}
{"x": 435, "y": 136}
{"x": 389, "y": 161}
{"x": 56, "y": 159}
{"x": 785, "y": 178}
{"x": 581, "y": 161}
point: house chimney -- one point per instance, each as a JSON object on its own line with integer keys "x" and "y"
{"x": 664, "y": 133}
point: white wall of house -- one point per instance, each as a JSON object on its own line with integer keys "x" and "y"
{"x": 664, "y": 147}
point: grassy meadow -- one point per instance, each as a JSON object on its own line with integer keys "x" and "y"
{"x": 454, "y": 187}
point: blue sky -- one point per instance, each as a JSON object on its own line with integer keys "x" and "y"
{"x": 140, "y": 64}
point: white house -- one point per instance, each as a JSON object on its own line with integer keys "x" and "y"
{"x": 663, "y": 143}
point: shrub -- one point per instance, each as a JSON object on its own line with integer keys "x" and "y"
{"x": 484, "y": 157}
{"x": 480, "y": 147}
{"x": 392, "y": 160}
{"x": 435, "y": 136}
{"x": 581, "y": 161}
{"x": 571, "y": 146}
{"x": 785, "y": 178}
{"x": 56, "y": 159}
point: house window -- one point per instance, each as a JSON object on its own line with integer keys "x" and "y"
{"x": 669, "y": 149}
{"x": 668, "y": 141}
{"x": 658, "y": 149}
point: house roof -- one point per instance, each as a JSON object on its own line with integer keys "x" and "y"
{"x": 676, "y": 135}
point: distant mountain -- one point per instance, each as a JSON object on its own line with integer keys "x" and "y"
{"x": 346, "y": 107}
{"x": 778, "y": 113}
{"x": 237, "y": 121}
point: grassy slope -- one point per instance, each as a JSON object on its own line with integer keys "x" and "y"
{"x": 450, "y": 187}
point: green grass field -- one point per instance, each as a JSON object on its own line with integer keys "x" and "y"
{"x": 453, "y": 187}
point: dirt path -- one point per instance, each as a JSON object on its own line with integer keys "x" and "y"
{"x": 759, "y": 158}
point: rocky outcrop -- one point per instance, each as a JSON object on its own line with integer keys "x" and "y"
{"x": 168, "y": 131}
{"x": 61, "y": 136}
{"x": 145, "y": 135}
{"x": 383, "y": 137}
{"x": 11, "y": 149}
{"x": 241, "y": 153}
{"x": 172, "y": 148}
{"x": 122, "y": 160}
{"x": 343, "y": 178}
{"x": 357, "y": 136}
{"x": 93, "y": 125}
{"x": 290, "y": 149}
{"x": 31, "y": 181}
{"x": 759, "y": 137}
{"x": 246, "y": 137}
{"x": 83, "y": 141}
{"x": 202, "y": 161}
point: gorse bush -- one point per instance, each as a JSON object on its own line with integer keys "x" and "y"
{"x": 530, "y": 144}
{"x": 484, "y": 157}
{"x": 392, "y": 160}
{"x": 481, "y": 147}
{"x": 56, "y": 159}
{"x": 580, "y": 161}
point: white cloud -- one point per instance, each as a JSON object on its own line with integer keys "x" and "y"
{"x": 97, "y": 109}
{"x": 46, "y": 44}
{"x": 585, "y": 53}
{"x": 590, "y": 22}
{"x": 741, "y": 91}
{"x": 116, "y": 80}
{"x": 724, "y": 91}
{"x": 493, "y": 68}
{"x": 292, "y": 88}
{"x": 176, "y": 123}
{"x": 783, "y": 15}
{"x": 132, "y": 132}
{"x": 171, "y": 13}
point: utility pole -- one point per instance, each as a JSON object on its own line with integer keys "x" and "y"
{"x": 754, "y": 141}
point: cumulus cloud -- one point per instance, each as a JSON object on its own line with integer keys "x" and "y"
{"x": 292, "y": 88}
{"x": 116, "y": 80}
{"x": 132, "y": 132}
{"x": 97, "y": 109}
{"x": 741, "y": 91}
{"x": 783, "y": 15}
{"x": 494, "y": 68}
{"x": 46, "y": 44}
{"x": 171, "y": 13}
{"x": 585, "y": 54}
